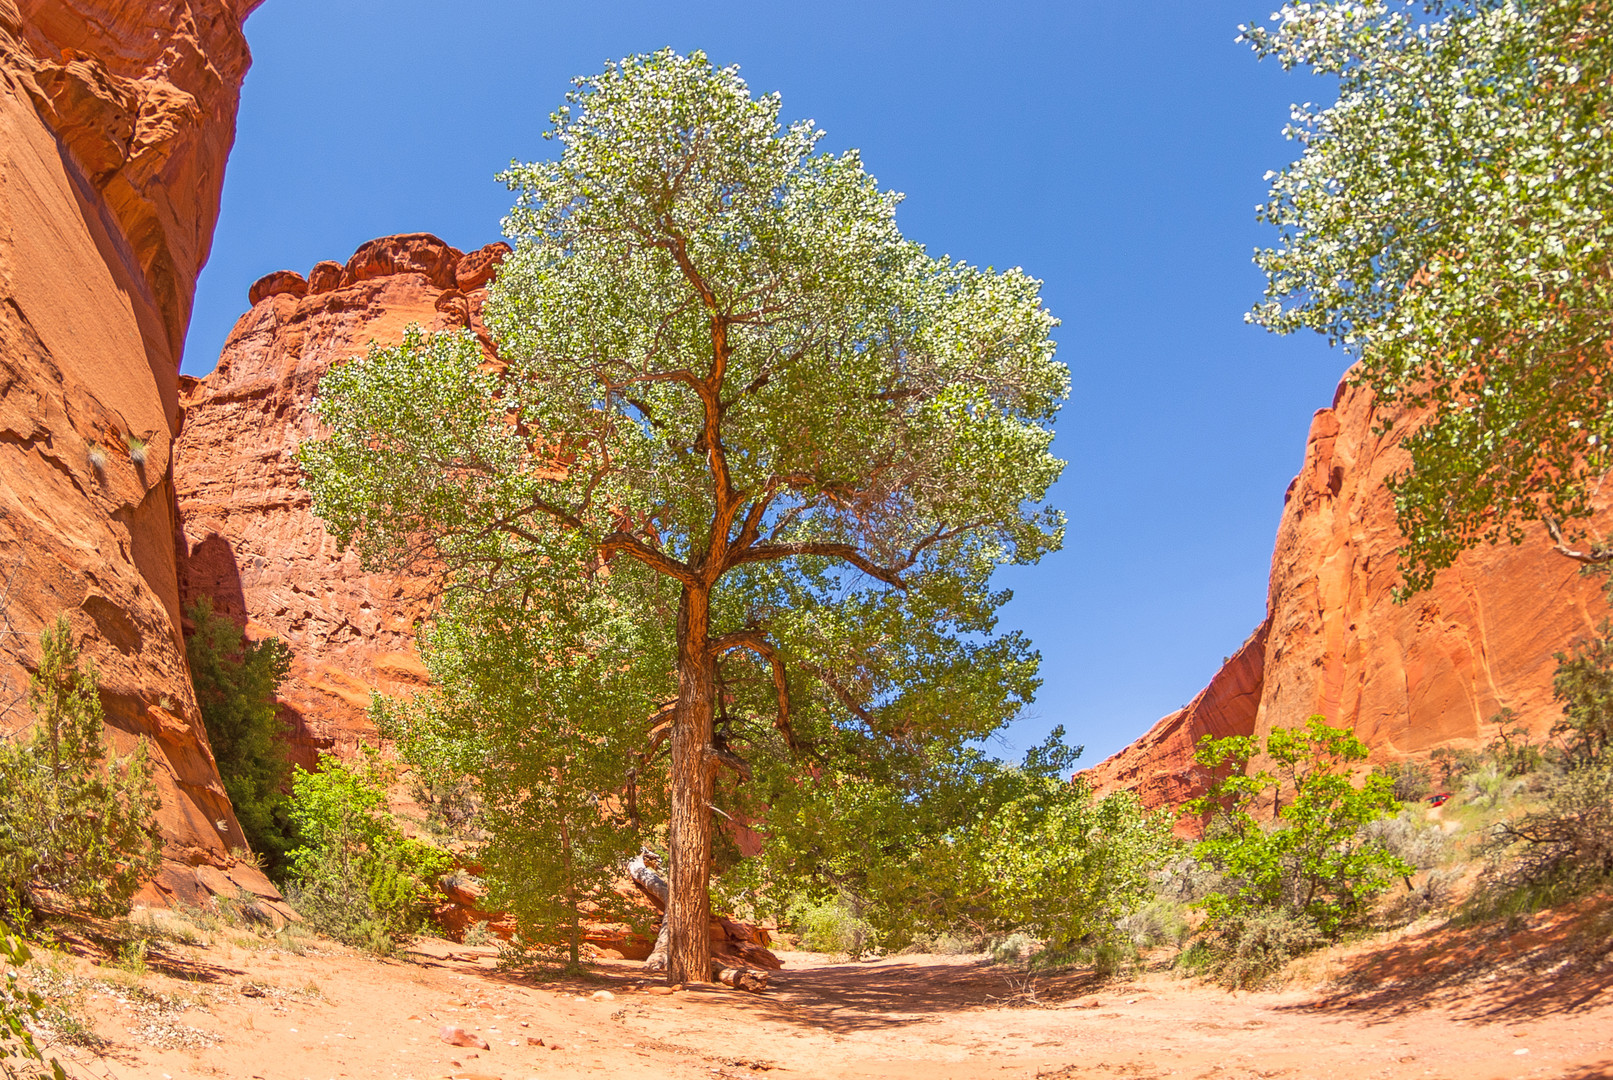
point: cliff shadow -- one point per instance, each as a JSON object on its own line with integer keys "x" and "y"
{"x": 210, "y": 569}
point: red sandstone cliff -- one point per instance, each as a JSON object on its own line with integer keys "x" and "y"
{"x": 250, "y": 538}
{"x": 115, "y": 121}
{"x": 1406, "y": 677}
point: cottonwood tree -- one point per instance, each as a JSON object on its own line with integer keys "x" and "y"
{"x": 533, "y": 715}
{"x": 731, "y": 392}
{"x": 1449, "y": 223}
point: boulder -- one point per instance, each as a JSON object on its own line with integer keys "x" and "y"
{"x": 279, "y": 283}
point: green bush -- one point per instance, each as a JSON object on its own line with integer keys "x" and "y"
{"x": 74, "y": 825}
{"x": 1245, "y": 948}
{"x": 1307, "y": 873}
{"x": 1408, "y": 780}
{"x": 353, "y": 875}
{"x": 1015, "y": 948}
{"x": 1314, "y": 859}
{"x": 20, "y": 1056}
{"x": 235, "y": 682}
{"x": 833, "y": 926}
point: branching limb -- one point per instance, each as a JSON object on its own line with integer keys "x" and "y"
{"x": 1594, "y": 557}
{"x": 756, "y": 642}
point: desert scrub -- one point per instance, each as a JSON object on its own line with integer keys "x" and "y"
{"x": 1247, "y": 949}
{"x": 832, "y": 926}
{"x": 1560, "y": 845}
{"x": 75, "y": 822}
{"x": 1289, "y": 885}
{"x": 1012, "y": 948}
{"x": 353, "y": 874}
{"x": 20, "y": 1015}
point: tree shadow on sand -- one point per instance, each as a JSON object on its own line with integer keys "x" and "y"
{"x": 1552, "y": 963}
{"x": 855, "y": 997}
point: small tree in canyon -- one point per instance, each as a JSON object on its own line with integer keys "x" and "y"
{"x": 784, "y": 443}
{"x": 77, "y": 824}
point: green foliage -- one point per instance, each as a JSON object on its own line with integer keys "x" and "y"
{"x": 1068, "y": 868}
{"x": 539, "y": 726}
{"x": 353, "y": 875}
{"x": 832, "y": 926}
{"x": 778, "y": 448}
{"x": 74, "y": 825}
{"x": 1584, "y": 684}
{"x": 962, "y": 843}
{"x": 235, "y": 682}
{"x": 20, "y": 1056}
{"x": 1408, "y": 780}
{"x": 1448, "y": 222}
{"x": 1314, "y": 863}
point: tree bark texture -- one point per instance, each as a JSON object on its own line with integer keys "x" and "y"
{"x": 694, "y": 770}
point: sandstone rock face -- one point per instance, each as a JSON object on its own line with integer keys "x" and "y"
{"x": 250, "y": 539}
{"x": 115, "y": 121}
{"x": 1159, "y": 766}
{"x": 1407, "y": 678}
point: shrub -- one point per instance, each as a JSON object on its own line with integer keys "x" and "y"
{"x": 235, "y": 682}
{"x": 1013, "y": 949}
{"x": 1157, "y": 923}
{"x": 1315, "y": 859}
{"x": 1302, "y": 878}
{"x": 353, "y": 875}
{"x": 1489, "y": 785}
{"x": 1246, "y": 948}
{"x": 1513, "y": 752}
{"x": 73, "y": 824}
{"x": 1066, "y": 867}
{"x": 1453, "y": 764}
{"x": 1408, "y": 780}
{"x": 833, "y": 926}
{"x": 20, "y": 1056}
{"x": 1557, "y": 851}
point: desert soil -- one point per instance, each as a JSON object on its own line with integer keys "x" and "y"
{"x": 1535, "y": 1002}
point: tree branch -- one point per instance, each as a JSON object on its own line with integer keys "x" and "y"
{"x": 1594, "y": 557}
{"x": 756, "y": 642}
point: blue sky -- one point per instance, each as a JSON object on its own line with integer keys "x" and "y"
{"x": 1114, "y": 150}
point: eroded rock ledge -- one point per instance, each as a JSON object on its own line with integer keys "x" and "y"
{"x": 115, "y": 122}
{"x": 1407, "y": 678}
{"x": 249, "y": 538}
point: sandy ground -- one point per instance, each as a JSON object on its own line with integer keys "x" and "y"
{"x": 1535, "y": 1002}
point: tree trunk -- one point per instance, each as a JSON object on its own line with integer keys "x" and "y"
{"x": 694, "y": 770}
{"x": 655, "y": 963}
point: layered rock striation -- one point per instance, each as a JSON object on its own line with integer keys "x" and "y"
{"x": 115, "y": 122}
{"x": 249, "y": 537}
{"x": 1407, "y": 678}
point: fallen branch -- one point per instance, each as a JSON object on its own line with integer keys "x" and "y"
{"x": 739, "y": 978}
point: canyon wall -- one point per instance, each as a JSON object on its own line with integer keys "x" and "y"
{"x": 115, "y": 122}
{"x": 249, "y": 538}
{"x": 1407, "y": 678}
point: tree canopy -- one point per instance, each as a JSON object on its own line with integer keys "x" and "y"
{"x": 785, "y": 444}
{"x": 1449, "y": 223}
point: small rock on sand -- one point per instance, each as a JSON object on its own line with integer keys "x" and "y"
{"x": 603, "y": 995}
{"x": 457, "y": 1036}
